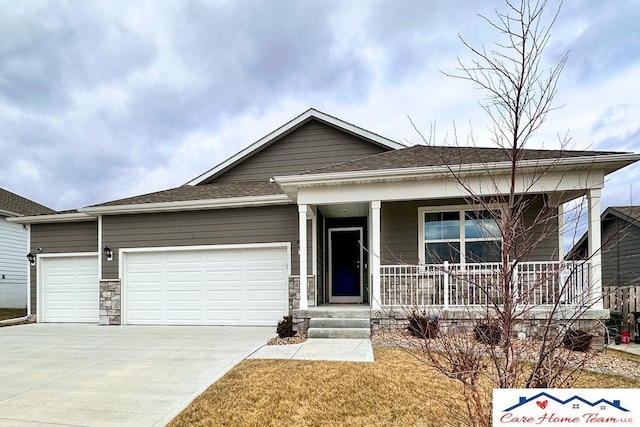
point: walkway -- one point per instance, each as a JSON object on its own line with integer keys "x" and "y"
{"x": 345, "y": 350}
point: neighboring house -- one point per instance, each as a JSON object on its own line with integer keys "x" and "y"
{"x": 14, "y": 248}
{"x": 620, "y": 246}
{"x": 620, "y": 256}
{"x": 317, "y": 212}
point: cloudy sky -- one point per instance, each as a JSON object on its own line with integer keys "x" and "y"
{"x": 106, "y": 99}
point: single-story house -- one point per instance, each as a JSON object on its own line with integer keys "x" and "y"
{"x": 318, "y": 212}
{"x": 14, "y": 247}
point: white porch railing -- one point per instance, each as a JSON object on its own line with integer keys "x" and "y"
{"x": 450, "y": 285}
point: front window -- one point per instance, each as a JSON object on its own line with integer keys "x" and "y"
{"x": 461, "y": 235}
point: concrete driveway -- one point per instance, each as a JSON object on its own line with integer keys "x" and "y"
{"x": 89, "y": 375}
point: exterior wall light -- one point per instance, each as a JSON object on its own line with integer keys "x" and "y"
{"x": 108, "y": 253}
{"x": 32, "y": 258}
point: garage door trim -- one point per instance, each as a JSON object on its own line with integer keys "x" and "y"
{"x": 124, "y": 251}
{"x": 41, "y": 261}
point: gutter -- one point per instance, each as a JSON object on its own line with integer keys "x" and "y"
{"x": 230, "y": 202}
{"x": 422, "y": 172}
{"x": 8, "y": 213}
{"x": 49, "y": 218}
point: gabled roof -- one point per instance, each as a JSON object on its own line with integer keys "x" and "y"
{"x": 423, "y": 156}
{"x": 310, "y": 114}
{"x": 13, "y": 205}
{"x": 630, "y": 214}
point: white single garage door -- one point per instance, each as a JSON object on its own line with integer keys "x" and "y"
{"x": 69, "y": 289}
{"x": 225, "y": 286}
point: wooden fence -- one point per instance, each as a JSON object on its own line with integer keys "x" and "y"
{"x": 625, "y": 299}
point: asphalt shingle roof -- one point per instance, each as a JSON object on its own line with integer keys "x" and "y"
{"x": 416, "y": 156}
{"x": 424, "y": 156}
{"x": 214, "y": 190}
{"x": 11, "y": 202}
{"x": 632, "y": 212}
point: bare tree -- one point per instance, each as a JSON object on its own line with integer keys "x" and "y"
{"x": 519, "y": 91}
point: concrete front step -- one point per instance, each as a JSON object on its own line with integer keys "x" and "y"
{"x": 339, "y": 333}
{"x": 339, "y": 323}
{"x": 333, "y": 312}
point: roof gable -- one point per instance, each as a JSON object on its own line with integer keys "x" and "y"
{"x": 13, "y": 205}
{"x": 311, "y": 115}
{"x": 629, "y": 214}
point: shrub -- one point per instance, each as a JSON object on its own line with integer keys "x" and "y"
{"x": 577, "y": 340}
{"x": 488, "y": 333}
{"x": 285, "y": 327}
{"x": 422, "y": 326}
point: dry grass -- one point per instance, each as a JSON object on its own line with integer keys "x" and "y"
{"x": 395, "y": 390}
{"x": 12, "y": 313}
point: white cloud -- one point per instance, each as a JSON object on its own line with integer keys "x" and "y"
{"x": 147, "y": 95}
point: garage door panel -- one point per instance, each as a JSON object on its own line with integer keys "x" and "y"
{"x": 183, "y": 277}
{"x": 229, "y": 276}
{"x": 144, "y": 296}
{"x": 224, "y": 316}
{"x": 70, "y": 289}
{"x": 147, "y": 316}
{"x": 221, "y": 300}
{"x": 184, "y": 296}
{"x": 149, "y": 277}
{"x": 213, "y": 286}
{"x": 268, "y": 276}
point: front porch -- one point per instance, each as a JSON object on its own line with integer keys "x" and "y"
{"x": 388, "y": 270}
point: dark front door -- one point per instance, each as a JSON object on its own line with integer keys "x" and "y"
{"x": 345, "y": 264}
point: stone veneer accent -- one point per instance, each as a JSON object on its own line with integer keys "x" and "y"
{"x": 110, "y": 302}
{"x": 294, "y": 292}
{"x": 532, "y": 324}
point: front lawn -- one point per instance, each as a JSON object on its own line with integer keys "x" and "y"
{"x": 395, "y": 390}
{"x": 12, "y": 313}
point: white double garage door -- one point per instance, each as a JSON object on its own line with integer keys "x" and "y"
{"x": 239, "y": 285}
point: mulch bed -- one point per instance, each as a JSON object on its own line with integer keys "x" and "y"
{"x": 296, "y": 339}
{"x": 526, "y": 349}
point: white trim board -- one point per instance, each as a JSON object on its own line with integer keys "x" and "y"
{"x": 50, "y": 218}
{"x": 230, "y": 202}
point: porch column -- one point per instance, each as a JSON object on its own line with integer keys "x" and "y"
{"x": 595, "y": 243}
{"x": 375, "y": 254}
{"x": 302, "y": 238}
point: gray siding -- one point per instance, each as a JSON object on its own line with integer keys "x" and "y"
{"x": 399, "y": 234}
{"x": 212, "y": 227}
{"x": 621, "y": 252}
{"x": 542, "y": 237}
{"x": 61, "y": 238}
{"x": 313, "y": 145}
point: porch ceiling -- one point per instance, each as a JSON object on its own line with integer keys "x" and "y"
{"x": 347, "y": 210}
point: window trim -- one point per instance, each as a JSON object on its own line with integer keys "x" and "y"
{"x": 462, "y": 210}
